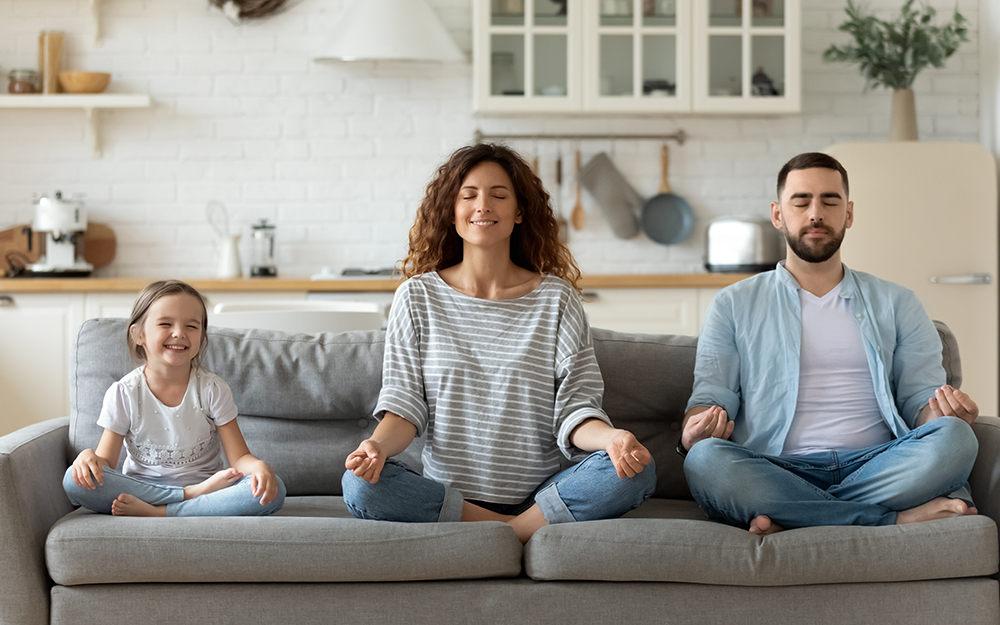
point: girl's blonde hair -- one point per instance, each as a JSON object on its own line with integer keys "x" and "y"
{"x": 140, "y": 309}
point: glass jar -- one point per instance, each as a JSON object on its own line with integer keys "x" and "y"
{"x": 23, "y": 81}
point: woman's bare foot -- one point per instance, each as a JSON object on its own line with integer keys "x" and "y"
{"x": 940, "y": 508}
{"x": 764, "y": 526}
{"x": 222, "y": 479}
{"x": 129, "y": 505}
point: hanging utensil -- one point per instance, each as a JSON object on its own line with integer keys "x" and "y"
{"x": 578, "y": 217}
{"x": 667, "y": 218}
{"x": 561, "y": 220}
{"x": 218, "y": 218}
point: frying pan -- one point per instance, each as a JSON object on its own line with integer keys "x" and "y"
{"x": 667, "y": 218}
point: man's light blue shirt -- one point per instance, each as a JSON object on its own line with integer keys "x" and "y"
{"x": 748, "y": 354}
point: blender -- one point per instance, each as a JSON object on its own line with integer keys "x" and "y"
{"x": 263, "y": 265}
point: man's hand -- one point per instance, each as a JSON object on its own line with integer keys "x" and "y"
{"x": 627, "y": 454}
{"x": 951, "y": 402}
{"x": 366, "y": 461}
{"x": 711, "y": 423}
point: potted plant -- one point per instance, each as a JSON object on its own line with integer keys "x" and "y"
{"x": 891, "y": 54}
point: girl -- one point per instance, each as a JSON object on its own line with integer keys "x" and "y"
{"x": 488, "y": 355}
{"x": 171, "y": 415}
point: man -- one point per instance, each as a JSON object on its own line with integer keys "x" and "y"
{"x": 842, "y": 415}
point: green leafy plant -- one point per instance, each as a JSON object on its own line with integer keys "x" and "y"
{"x": 891, "y": 54}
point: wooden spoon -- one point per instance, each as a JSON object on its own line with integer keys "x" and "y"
{"x": 561, "y": 221}
{"x": 578, "y": 217}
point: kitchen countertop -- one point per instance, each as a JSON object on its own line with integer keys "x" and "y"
{"x": 280, "y": 285}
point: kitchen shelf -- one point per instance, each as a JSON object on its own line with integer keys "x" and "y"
{"x": 90, "y": 103}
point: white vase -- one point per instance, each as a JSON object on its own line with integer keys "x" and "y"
{"x": 903, "y": 119}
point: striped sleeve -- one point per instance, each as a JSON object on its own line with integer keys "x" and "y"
{"x": 402, "y": 374}
{"x": 579, "y": 385}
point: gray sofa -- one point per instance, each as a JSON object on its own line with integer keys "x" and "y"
{"x": 306, "y": 402}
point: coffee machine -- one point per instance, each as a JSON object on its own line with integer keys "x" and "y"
{"x": 64, "y": 223}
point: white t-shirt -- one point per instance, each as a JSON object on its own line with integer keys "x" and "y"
{"x": 836, "y": 408}
{"x": 173, "y": 445}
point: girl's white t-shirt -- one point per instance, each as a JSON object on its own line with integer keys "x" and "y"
{"x": 173, "y": 445}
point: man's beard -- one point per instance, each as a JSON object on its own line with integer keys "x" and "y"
{"x": 814, "y": 254}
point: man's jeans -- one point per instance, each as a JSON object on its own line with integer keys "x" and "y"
{"x": 234, "y": 500}
{"x": 864, "y": 487}
{"x": 586, "y": 491}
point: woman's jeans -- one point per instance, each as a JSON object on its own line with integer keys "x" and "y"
{"x": 234, "y": 500}
{"x": 863, "y": 487}
{"x": 587, "y": 491}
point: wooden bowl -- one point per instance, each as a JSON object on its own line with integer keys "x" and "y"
{"x": 84, "y": 82}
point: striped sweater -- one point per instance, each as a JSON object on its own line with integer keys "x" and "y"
{"x": 496, "y": 387}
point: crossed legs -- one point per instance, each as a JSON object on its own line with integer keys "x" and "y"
{"x": 920, "y": 476}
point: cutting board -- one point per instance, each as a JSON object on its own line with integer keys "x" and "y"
{"x": 99, "y": 245}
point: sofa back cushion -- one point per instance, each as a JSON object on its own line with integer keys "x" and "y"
{"x": 306, "y": 401}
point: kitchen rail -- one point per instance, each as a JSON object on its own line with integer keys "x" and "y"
{"x": 134, "y": 285}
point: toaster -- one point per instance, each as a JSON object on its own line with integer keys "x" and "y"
{"x": 742, "y": 245}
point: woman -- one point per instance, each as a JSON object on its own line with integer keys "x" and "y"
{"x": 488, "y": 355}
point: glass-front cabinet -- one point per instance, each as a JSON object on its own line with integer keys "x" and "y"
{"x": 605, "y": 56}
{"x": 746, "y": 56}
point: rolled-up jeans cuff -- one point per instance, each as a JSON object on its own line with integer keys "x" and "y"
{"x": 552, "y": 506}
{"x": 451, "y": 507}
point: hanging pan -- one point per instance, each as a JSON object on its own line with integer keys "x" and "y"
{"x": 667, "y": 218}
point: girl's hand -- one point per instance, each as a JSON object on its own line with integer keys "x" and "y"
{"x": 366, "y": 461}
{"x": 87, "y": 469}
{"x": 627, "y": 454}
{"x": 263, "y": 483}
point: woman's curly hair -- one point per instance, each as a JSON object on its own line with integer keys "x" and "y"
{"x": 534, "y": 244}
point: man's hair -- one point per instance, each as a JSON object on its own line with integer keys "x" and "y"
{"x": 811, "y": 160}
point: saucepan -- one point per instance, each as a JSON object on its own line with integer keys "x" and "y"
{"x": 667, "y": 218}
{"x": 618, "y": 200}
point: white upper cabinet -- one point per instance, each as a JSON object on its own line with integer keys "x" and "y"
{"x": 635, "y": 56}
{"x": 747, "y": 56}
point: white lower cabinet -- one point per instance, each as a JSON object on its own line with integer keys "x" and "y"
{"x": 650, "y": 311}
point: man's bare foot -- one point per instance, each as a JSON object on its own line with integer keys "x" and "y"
{"x": 129, "y": 505}
{"x": 940, "y": 508}
{"x": 764, "y": 526}
{"x": 222, "y": 479}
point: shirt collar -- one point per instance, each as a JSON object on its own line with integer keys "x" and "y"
{"x": 848, "y": 286}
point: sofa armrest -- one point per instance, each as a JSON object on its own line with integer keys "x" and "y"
{"x": 985, "y": 478}
{"x": 32, "y": 463}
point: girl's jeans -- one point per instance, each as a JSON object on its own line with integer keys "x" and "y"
{"x": 235, "y": 500}
{"x": 863, "y": 487}
{"x": 586, "y": 491}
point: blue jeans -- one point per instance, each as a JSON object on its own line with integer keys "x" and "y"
{"x": 863, "y": 487}
{"x": 586, "y": 491}
{"x": 234, "y": 500}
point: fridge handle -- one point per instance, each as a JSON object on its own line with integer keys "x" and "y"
{"x": 975, "y": 278}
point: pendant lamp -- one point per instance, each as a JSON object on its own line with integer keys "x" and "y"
{"x": 390, "y": 30}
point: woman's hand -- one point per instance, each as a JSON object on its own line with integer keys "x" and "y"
{"x": 366, "y": 461}
{"x": 627, "y": 454}
{"x": 88, "y": 468}
{"x": 263, "y": 482}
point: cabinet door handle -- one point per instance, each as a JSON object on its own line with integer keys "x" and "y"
{"x": 590, "y": 296}
{"x": 974, "y": 278}
{"x": 6, "y": 301}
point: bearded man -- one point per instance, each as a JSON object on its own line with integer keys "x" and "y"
{"x": 819, "y": 395}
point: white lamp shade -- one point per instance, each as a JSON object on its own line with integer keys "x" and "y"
{"x": 390, "y": 30}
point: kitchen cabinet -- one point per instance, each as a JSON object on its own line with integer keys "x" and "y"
{"x": 650, "y": 311}
{"x": 636, "y": 56}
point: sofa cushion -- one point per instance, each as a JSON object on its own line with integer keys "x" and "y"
{"x": 312, "y": 539}
{"x": 703, "y": 552}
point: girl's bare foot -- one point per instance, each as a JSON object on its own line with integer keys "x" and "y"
{"x": 222, "y": 479}
{"x": 940, "y": 508}
{"x": 764, "y": 526}
{"x": 129, "y": 505}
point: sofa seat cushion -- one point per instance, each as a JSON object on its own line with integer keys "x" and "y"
{"x": 678, "y": 547}
{"x": 312, "y": 539}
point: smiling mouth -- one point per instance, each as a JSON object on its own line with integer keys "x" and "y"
{"x": 176, "y": 348}
{"x": 483, "y": 223}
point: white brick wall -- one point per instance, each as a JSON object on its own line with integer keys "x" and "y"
{"x": 338, "y": 155}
